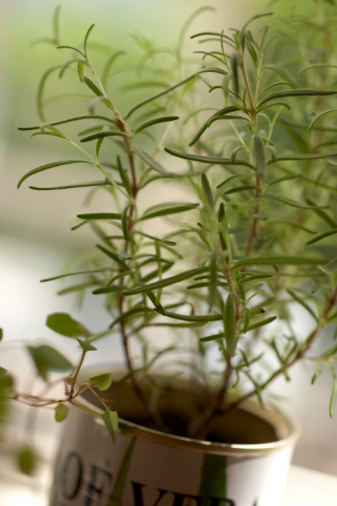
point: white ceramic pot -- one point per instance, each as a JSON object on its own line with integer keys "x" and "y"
{"x": 144, "y": 467}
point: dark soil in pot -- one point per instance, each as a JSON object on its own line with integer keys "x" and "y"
{"x": 178, "y": 408}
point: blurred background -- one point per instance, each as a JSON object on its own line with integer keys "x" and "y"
{"x": 35, "y": 237}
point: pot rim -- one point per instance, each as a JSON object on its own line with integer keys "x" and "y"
{"x": 285, "y": 426}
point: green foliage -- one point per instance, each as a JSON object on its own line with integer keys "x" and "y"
{"x": 27, "y": 459}
{"x": 229, "y": 318}
{"x": 47, "y": 359}
{"x": 110, "y": 419}
{"x": 61, "y": 412}
{"x": 102, "y": 381}
{"x": 6, "y": 390}
{"x": 247, "y": 142}
{"x": 64, "y": 324}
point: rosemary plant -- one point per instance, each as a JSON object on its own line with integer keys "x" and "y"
{"x": 250, "y": 143}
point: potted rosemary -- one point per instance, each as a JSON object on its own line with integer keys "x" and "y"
{"x": 222, "y": 268}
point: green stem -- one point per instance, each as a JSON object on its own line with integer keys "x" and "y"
{"x": 74, "y": 380}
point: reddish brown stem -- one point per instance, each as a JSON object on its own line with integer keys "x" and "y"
{"x": 151, "y": 412}
{"x": 255, "y": 222}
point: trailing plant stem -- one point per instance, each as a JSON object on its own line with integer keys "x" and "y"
{"x": 74, "y": 379}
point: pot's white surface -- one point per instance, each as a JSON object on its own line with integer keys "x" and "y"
{"x": 147, "y": 468}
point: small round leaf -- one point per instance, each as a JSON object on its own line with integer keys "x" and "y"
{"x": 64, "y": 324}
{"x": 47, "y": 359}
{"x": 61, "y": 412}
{"x": 102, "y": 381}
{"x": 27, "y": 460}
